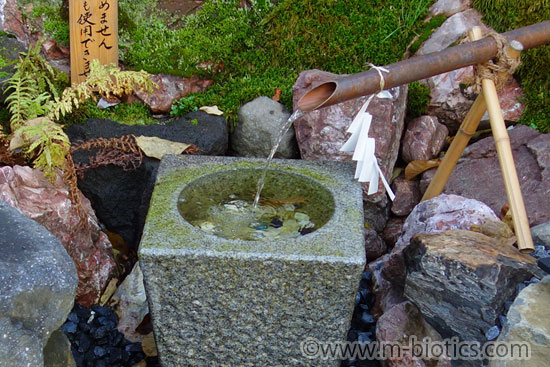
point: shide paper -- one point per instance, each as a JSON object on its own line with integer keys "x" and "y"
{"x": 363, "y": 148}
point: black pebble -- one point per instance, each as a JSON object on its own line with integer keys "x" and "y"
{"x": 69, "y": 327}
{"x": 305, "y": 231}
{"x": 276, "y": 223}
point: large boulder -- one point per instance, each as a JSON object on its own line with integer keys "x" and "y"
{"x": 49, "y": 204}
{"x": 451, "y": 93}
{"x": 259, "y": 126}
{"x": 322, "y": 132}
{"x": 460, "y": 280}
{"x": 478, "y": 174}
{"x": 402, "y": 326}
{"x": 121, "y": 198}
{"x": 37, "y": 288}
{"x": 529, "y": 324}
{"x": 438, "y": 214}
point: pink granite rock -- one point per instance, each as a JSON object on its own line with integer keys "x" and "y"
{"x": 478, "y": 175}
{"x": 15, "y": 19}
{"x": 374, "y": 245}
{"x": 393, "y": 229}
{"x": 387, "y": 294}
{"x": 407, "y": 195}
{"x": 171, "y": 88}
{"x": 424, "y": 139}
{"x": 402, "y": 324}
{"x": 322, "y": 132}
{"x": 48, "y": 203}
{"x": 449, "y": 7}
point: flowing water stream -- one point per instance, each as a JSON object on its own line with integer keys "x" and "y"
{"x": 296, "y": 115}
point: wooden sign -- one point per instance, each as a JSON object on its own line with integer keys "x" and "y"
{"x": 94, "y": 35}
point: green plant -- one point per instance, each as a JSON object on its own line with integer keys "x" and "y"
{"x": 124, "y": 113}
{"x": 433, "y": 24}
{"x": 505, "y": 15}
{"x": 35, "y": 104}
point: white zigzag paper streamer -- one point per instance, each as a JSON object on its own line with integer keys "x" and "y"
{"x": 363, "y": 147}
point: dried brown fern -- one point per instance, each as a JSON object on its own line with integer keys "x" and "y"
{"x": 70, "y": 177}
{"x": 8, "y": 157}
{"x": 122, "y": 152}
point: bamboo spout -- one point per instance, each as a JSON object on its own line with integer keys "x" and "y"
{"x": 419, "y": 67}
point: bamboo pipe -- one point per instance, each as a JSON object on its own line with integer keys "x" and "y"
{"x": 419, "y": 67}
{"x": 465, "y": 132}
{"x": 506, "y": 160}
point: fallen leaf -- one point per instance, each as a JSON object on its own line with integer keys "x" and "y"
{"x": 156, "y": 147}
{"x": 211, "y": 110}
{"x": 277, "y": 96}
{"x": 109, "y": 291}
{"x": 149, "y": 346}
{"x": 415, "y": 168}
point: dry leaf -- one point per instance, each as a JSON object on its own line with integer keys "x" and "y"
{"x": 415, "y": 168}
{"x": 211, "y": 110}
{"x": 277, "y": 96}
{"x": 156, "y": 147}
{"x": 149, "y": 346}
{"x": 109, "y": 291}
{"x": 18, "y": 140}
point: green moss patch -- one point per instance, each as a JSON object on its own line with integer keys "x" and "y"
{"x": 505, "y": 15}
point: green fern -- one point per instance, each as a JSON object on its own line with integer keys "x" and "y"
{"x": 35, "y": 105}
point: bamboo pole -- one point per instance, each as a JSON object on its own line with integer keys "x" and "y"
{"x": 506, "y": 160}
{"x": 465, "y": 132}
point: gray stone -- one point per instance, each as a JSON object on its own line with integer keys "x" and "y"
{"x": 528, "y": 324}
{"x": 37, "y": 288}
{"x": 449, "y": 7}
{"x": 460, "y": 280}
{"x": 541, "y": 234}
{"x": 260, "y": 123}
{"x": 57, "y": 352}
{"x": 247, "y": 303}
{"x": 424, "y": 139}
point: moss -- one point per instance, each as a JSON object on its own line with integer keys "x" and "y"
{"x": 265, "y": 47}
{"x": 505, "y": 15}
{"x": 125, "y": 113}
{"x": 418, "y": 100}
{"x": 427, "y": 31}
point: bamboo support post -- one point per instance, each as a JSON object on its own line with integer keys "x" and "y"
{"x": 506, "y": 160}
{"x": 465, "y": 132}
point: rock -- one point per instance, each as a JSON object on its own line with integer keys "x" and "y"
{"x": 387, "y": 294}
{"x": 532, "y": 160}
{"x": 121, "y": 198}
{"x": 393, "y": 229}
{"x": 460, "y": 280}
{"x": 424, "y": 138}
{"x": 170, "y": 88}
{"x": 374, "y": 245}
{"x": 132, "y": 304}
{"x": 57, "y": 352}
{"x": 402, "y": 325}
{"x": 528, "y": 323}
{"x": 48, "y": 204}
{"x": 451, "y": 93}
{"x": 259, "y": 126}
{"x": 454, "y": 29}
{"x": 425, "y": 179}
{"x": 376, "y": 215}
{"x": 541, "y": 234}
{"x": 436, "y": 215}
{"x": 544, "y": 264}
{"x": 322, "y": 132}
{"x": 53, "y": 51}
{"x": 443, "y": 213}
{"x": 449, "y": 7}
{"x": 37, "y": 287}
{"x": 15, "y": 19}
{"x": 407, "y": 195}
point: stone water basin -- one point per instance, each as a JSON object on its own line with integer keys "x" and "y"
{"x": 234, "y": 302}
